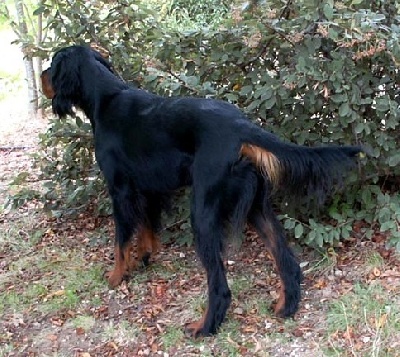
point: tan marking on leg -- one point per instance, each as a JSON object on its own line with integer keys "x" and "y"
{"x": 271, "y": 245}
{"x": 147, "y": 242}
{"x": 122, "y": 267}
{"x": 280, "y": 304}
{"x": 194, "y": 328}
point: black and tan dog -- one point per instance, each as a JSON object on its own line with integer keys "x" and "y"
{"x": 147, "y": 146}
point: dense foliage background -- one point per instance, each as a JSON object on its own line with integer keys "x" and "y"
{"x": 311, "y": 71}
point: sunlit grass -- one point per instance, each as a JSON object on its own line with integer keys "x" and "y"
{"x": 363, "y": 322}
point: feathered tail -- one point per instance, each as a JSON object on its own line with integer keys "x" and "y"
{"x": 298, "y": 169}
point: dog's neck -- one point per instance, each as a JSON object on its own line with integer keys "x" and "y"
{"x": 97, "y": 90}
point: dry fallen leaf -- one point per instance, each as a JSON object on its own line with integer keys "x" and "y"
{"x": 80, "y": 331}
{"x": 112, "y": 345}
{"x": 83, "y": 354}
{"x": 54, "y": 294}
{"x": 382, "y": 321}
{"x": 376, "y": 272}
{"x": 52, "y": 337}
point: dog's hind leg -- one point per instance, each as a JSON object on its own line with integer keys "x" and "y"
{"x": 271, "y": 232}
{"x": 208, "y": 230}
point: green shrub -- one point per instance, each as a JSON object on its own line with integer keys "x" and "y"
{"x": 312, "y": 72}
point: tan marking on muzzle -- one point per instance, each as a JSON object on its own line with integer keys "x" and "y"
{"x": 47, "y": 88}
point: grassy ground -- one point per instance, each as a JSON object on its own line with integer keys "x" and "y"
{"x": 55, "y": 302}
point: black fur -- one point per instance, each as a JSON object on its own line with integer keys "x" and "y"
{"x": 147, "y": 146}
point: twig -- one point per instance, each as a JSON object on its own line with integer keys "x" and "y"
{"x": 15, "y": 148}
{"x": 73, "y": 135}
{"x": 173, "y": 224}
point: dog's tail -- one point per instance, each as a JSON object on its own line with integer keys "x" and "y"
{"x": 298, "y": 169}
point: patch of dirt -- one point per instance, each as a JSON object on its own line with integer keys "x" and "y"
{"x": 18, "y": 142}
{"x": 18, "y": 130}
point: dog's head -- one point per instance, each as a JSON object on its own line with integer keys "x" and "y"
{"x": 63, "y": 81}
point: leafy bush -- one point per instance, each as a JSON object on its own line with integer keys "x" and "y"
{"x": 311, "y": 72}
{"x": 71, "y": 177}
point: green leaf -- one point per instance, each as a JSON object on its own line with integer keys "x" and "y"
{"x": 382, "y": 104}
{"x": 359, "y": 128}
{"x": 333, "y": 34}
{"x": 344, "y": 109}
{"x": 311, "y": 236}
{"x": 339, "y": 98}
{"x": 386, "y": 226}
{"x": 345, "y": 233}
{"x": 79, "y": 121}
{"x": 394, "y": 160}
{"x": 246, "y": 90}
{"x": 232, "y": 97}
{"x": 253, "y": 105}
{"x": 39, "y": 10}
{"x": 298, "y": 231}
{"x": 301, "y": 64}
{"x": 269, "y": 103}
{"x": 319, "y": 238}
{"x": 366, "y": 196}
{"x": 289, "y": 224}
{"x": 192, "y": 81}
{"x": 328, "y": 11}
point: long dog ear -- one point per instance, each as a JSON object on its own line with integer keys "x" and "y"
{"x": 65, "y": 82}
